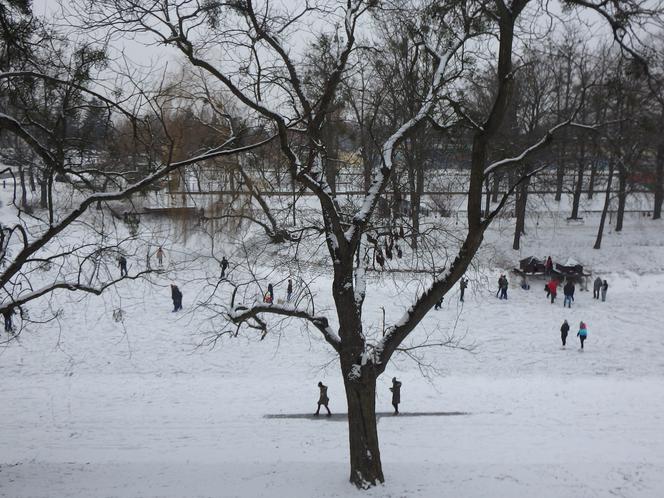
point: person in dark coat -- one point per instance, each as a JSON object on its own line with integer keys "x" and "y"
{"x": 396, "y": 394}
{"x": 439, "y": 303}
{"x": 462, "y": 287}
{"x": 323, "y": 399}
{"x": 122, "y": 261}
{"x": 7, "y": 314}
{"x": 289, "y": 290}
{"x": 597, "y": 286}
{"x": 568, "y": 290}
{"x": 548, "y": 266}
{"x": 176, "y": 295}
{"x": 605, "y": 287}
{"x": 224, "y": 266}
{"x": 502, "y": 287}
{"x": 564, "y": 329}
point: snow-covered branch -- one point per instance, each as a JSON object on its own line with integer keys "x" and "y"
{"x": 241, "y": 314}
{"x": 382, "y": 177}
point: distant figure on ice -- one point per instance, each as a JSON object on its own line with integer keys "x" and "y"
{"x": 597, "y": 286}
{"x": 552, "y": 289}
{"x": 323, "y": 399}
{"x": 462, "y": 287}
{"x": 564, "y": 329}
{"x": 176, "y": 295}
{"x": 502, "y": 287}
{"x": 548, "y": 266}
{"x": 160, "y": 256}
{"x": 224, "y": 266}
{"x": 7, "y": 314}
{"x": 396, "y": 394}
{"x": 605, "y": 287}
{"x": 439, "y": 303}
{"x": 568, "y": 290}
{"x": 269, "y": 295}
{"x": 582, "y": 334}
{"x": 122, "y": 261}
{"x": 289, "y": 290}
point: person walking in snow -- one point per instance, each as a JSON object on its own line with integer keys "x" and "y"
{"x": 289, "y": 290}
{"x": 160, "y": 256}
{"x": 597, "y": 286}
{"x": 224, "y": 266}
{"x": 7, "y": 315}
{"x": 269, "y": 295}
{"x": 605, "y": 287}
{"x": 564, "y": 329}
{"x": 548, "y": 266}
{"x": 568, "y": 290}
{"x": 552, "y": 289}
{"x": 462, "y": 287}
{"x": 176, "y": 295}
{"x": 502, "y": 286}
{"x": 439, "y": 303}
{"x": 323, "y": 399}
{"x": 582, "y": 334}
{"x": 396, "y": 394}
{"x": 122, "y": 261}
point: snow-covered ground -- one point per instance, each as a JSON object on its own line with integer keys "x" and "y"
{"x": 139, "y": 408}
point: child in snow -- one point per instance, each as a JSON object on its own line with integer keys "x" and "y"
{"x": 552, "y": 289}
{"x": 564, "y": 329}
{"x": 269, "y": 295}
{"x": 583, "y": 333}
{"x": 160, "y": 256}
{"x": 323, "y": 399}
{"x": 396, "y": 394}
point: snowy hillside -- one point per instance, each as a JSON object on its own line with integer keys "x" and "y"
{"x": 147, "y": 406}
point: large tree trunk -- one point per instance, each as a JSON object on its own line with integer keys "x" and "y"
{"x": 495, "y": 187}
{"x": 365, "y": 465}
{"x": 24, "y": 192}
{"x": 580, "y": 167}
{"x": 659, "y": 177}
{"x": 521, "y": 203}
{"x": 622, "y": 196}
{"x": 43, "y": 190}
{"x": 607, "y": 202}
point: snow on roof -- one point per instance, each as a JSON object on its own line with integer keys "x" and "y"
{"x": 571, "y": 262}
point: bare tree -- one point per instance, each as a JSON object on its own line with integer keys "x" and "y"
{"x": 245, "y": 45}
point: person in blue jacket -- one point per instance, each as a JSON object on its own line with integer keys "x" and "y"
{"x": 582, "y": 334}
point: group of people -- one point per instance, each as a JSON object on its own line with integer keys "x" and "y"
{"x": 582, "y": 334}
{"x": 268, "y": 297}
{"x": 600, "y": 287}
{"x": 323, "y": 398}
{"x": 122, "y": 261}
{"x": 502, "y": 287}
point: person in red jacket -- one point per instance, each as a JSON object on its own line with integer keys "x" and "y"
{"x": 552, "y": 288}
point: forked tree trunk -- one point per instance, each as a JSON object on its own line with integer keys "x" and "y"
{"x": 366, "y": 469}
